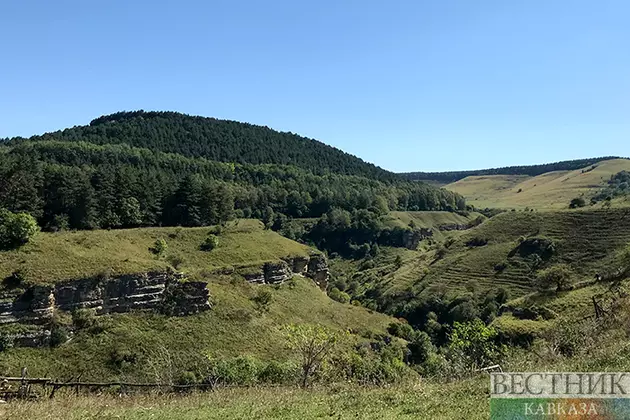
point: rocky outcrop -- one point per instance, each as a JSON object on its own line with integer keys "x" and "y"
{"x": 314, "y": 267}
{"x": 298, "y": 264}
{"x": 268, "y": 273}
{"x": 35, "y": 305}
{"x": 159, "y": 291}
{"x": 318, "y": 270}
{"x": 276, "y": 273}
{"x": 411, "y": 238}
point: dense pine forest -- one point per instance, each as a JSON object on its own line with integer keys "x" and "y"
{"x": 193, "y": 171}
{"x": 218, "y": 140}
{"x": 531, "y": 170}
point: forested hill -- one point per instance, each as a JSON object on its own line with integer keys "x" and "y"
{"x": 218, "y": 140}
{"x": 531, "y": 170}
{"x": 80, "y": 185}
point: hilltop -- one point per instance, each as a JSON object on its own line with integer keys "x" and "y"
{"x": 442, "y": 178}
{"x": 217, "y": 140}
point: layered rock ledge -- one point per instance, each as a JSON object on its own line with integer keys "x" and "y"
{"x": 163, "y": 292}
{"x": 314, "y": 267}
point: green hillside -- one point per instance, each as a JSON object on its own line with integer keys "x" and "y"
{"x": 71, "y": 255}
{"x": 551, "y": 190}
{"x": 524, "y": 170}
{"x": 585, "y": 240}
{"x": 160, "y": 345}
{"x": 218, "y": 140}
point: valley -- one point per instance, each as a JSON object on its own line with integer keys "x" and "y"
{"x": 161, "y": 248}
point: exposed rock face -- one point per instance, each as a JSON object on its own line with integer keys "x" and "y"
{"x": 314, "y": 267}
{"x": 276, "y": 273}
{"x": 298, "y": 264}
{"x": 163, "y": 292}
{"x": 318, "y": 270}
{"x": 34, "y": 305}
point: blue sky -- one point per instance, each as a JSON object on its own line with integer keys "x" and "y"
{"x": 408, "y": 85}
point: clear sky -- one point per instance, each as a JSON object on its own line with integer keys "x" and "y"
{"x": 408, "y": 85}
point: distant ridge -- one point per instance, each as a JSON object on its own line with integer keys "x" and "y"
{"x": 531, "y": 170}
{"x": 219, "y": 140}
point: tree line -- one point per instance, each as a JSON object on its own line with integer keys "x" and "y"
{"x": 79, "y": 185}
{"x": 531, "y": 170}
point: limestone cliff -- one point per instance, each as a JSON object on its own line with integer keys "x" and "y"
{"x": 314, "y": 267}
{"x": 34, "y": 305}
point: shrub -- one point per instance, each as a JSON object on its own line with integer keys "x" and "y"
{"x": 558, "y": 275}
{"x": 502, "y": 295}
{"x": 401, "y": 330}
{"x": 476, "y": 241}
{"x": 16, "y": 229}
{"x": 314, "y": 344}
{"x": 58, "y": 335}
{"x": 186, "y": 378}
{"x": 16, "y": 279}
{"x": 338, "y": 295}
{"x": 367, "y": 264}
{"x": 440, "y": 252}
{"x": 159, "y": 247}
{"x": 277, "y": 373}
{"x": 6, "y": 341}
{"x": 569, "y": 338}
{"x": 262, "y": 299}
{"x": 121, "y": 358}
{"x": 577, "y": 202}
{"x": 83, "y": 318}
{"x": 420, "y": 347}
{"x": 242, "y": 370}
{"x": 176, "y": 261}
{"x": 210, "y": 243}
{"x": 500, "y": 267}
{"x": 542, "y": 247}
{"x": 473, "y": 345}
{"x": 215, "y": 230}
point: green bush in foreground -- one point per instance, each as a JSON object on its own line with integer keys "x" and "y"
{"x": 16, "y": 229}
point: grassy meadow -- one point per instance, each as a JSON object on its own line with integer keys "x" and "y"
{"x": 552, "y": 190}
{"x": 78, "y": 254}
{"x": 422, "y": 400}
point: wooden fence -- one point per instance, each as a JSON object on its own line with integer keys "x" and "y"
{"x": 21, "y": 386}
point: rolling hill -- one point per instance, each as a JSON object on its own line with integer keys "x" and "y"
{"x": 550, "y": 190}
{"x": 234, "y": 326}
{"x": 217, "y": 140}
{"x": 442, "y": 178}
{"x": 181, "y": 250}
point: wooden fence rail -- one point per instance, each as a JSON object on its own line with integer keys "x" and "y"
{"x": 26, "y": 382}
